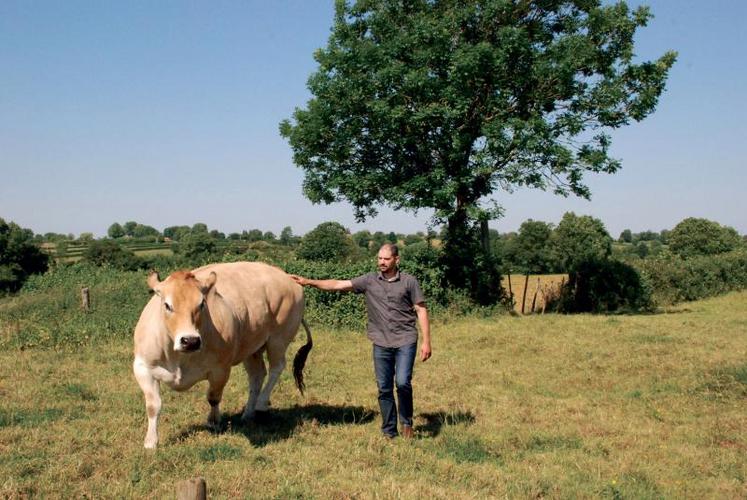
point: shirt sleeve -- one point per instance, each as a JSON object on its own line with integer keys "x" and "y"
{"x": 360, "y": 283}
{"x": 416, "y": 294}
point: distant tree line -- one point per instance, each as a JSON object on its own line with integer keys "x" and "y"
{"x": 578, "y": 245}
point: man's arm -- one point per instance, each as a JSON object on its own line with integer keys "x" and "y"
{"x": 425, "y": 328}
{"x": 327, "y": 285}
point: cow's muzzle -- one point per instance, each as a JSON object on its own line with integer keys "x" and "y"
{"x": 188, "y": 343}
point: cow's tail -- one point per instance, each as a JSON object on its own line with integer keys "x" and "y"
{"x": 300, "y": 360}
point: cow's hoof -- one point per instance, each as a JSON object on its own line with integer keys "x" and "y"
{"x": 150, "y": 445}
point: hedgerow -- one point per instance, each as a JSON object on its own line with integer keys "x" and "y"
{"x": 675, "y": 279}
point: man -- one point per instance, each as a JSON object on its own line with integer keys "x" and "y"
{"x": 393, "y": 302}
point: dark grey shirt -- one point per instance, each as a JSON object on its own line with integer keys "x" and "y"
{"x": 391, "y": 316}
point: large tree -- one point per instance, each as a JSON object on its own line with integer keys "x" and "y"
{"x": 440, "y": 103}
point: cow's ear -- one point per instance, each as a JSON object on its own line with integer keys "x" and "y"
{"x": 153, "y": 282}
{"x": 206, "y": 285}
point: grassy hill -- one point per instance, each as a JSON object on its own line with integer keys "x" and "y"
{"x": 540, "y": 406}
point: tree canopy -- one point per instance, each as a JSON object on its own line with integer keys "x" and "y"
{"x": 530, "y": 249}
{"x": 579, "y": 239}
{"x": 329, "y": 241}
{"x": 438, "y": 104}
{"x": 695, "y": 236}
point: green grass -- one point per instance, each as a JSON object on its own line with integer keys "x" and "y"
{"x": 650, "y": 406}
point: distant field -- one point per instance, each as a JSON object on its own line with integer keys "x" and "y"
{"x": 74, "y": 252}
{"x": 543, "y": 406}
{"x": 155, "y": 251}
{"x": 543, "y": 284}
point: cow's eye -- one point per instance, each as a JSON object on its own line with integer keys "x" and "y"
{"x": 168, "y": 307}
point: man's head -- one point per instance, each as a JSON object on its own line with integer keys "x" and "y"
{"x": 388, "y": 258}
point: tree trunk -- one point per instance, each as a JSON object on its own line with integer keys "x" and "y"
{"x": 466, "y": 264}
{"x": 485, "y": 236}
{"x": 459, "y": 251}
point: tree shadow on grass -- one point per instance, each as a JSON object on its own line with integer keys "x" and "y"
{"x": 435, "y": 421}
{"x": 278, "y": 424}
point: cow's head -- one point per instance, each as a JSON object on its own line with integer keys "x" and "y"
{"x": 183, "y": 301}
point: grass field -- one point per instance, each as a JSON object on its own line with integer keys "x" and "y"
{"x": 650, "y": 406}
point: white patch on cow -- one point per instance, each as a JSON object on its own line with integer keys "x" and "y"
{"x": 165, "y": 376}
{"x": 149, "y": 385}
{"x": 140, "y": 367}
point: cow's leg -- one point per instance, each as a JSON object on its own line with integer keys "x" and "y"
{"x": 276, "y": 358}
{"x": 150, "y": 388}
{"x": 216, "y": 383}
{"x": 256, "y": 372}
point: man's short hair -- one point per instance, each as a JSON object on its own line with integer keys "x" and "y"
{"x": 394, "y": 249}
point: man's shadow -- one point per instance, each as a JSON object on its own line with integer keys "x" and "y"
{"x": 435, "y": 421}
{"x": 279, "y": 424}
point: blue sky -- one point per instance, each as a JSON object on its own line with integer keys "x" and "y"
{"x": 167, "y": 113}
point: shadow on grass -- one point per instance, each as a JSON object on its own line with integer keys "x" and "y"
{"x": 277, "y": 425}
{"x": 435, "y": 421}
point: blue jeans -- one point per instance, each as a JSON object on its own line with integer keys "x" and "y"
{"x": 394, "y": 364}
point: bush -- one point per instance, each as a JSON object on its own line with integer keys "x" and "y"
{"x": 422, "y": 261}
{"x": 332, "y": 309}
{"x": 19, "y": 256}
{"x": 674, "y": 279}
{"x": 108, "y": 252}
{"x": 196, "y": 248}
{"x": 600, "y": 285}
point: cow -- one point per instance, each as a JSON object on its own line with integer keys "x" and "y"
{"x": 200, "y": 323}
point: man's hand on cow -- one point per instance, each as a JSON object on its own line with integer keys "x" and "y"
{"x": 425, "y": 351}
{"x": 299, "y": 279}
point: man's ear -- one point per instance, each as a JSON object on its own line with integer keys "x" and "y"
{"x": 154, "y": 282}
{"x": 207, "y": 285}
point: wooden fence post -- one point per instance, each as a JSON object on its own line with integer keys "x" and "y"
{"x": 524, "y": 295}
{"x": 511, "y": 292}
{"x": 191, "y": 489}
{"x": 85, "y": 299}
{"x": 536, "y": 290}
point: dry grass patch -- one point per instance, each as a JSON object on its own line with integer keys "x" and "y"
{"x": 540, "y": 406}
{"x": 540, "y": 288}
